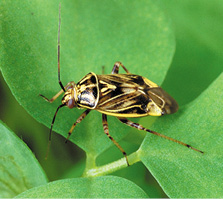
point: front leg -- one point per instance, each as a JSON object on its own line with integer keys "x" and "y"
{"x": 81, "y": 117}
{"x": 116, "y": 68}
{"x": 58, "y": 94}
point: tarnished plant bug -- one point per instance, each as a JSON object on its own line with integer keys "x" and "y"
{"x": 119, "y": 95}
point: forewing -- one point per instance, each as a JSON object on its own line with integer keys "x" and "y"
{"x": 122, "y": 95}
{"x": 129, "y": 95}
{"x": 163, "y": 100}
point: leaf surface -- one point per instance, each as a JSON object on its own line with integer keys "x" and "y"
{"x": 182, "y": 172}
{"x": 19, "y": 169}
{"x": 100, "y": 187}
{"x": 198, "y": 27}
{"x": 93, "y": 34}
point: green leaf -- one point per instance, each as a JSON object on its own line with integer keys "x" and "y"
{"x": 198, "y": 59}
{"x": 101, "y": 187}
{"x": 93, "y": 33}
{"x": 182, "y": 172}
{"x": 19, "y": 169}
{"x": 137, "y": 173}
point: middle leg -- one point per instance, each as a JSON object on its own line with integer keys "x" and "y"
{"x": 105, "y": 127}
{"x": 115, "y": 69}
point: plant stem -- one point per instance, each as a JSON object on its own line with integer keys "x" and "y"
{"x": 111, "y": 167}
{"x": 90, "y": 161}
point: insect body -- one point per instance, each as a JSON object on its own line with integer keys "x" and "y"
{"x": 119, "y": 95}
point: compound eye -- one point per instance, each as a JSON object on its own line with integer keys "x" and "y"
{"x": 70, "y": 103}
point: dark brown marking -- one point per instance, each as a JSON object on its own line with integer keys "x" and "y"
{"x": 93, "y": 79}
{"x": 95, "y": 92}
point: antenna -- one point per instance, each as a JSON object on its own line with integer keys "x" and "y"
{"x": 48, "y": 147}
{"x": 58, "y": 52}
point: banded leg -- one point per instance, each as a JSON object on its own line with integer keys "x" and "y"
{"x": 115, "y": 69}
{"x": 140, "y": 127}
{"x": 81, "y": 117}
{"x": 105, "y": 127}
{"x": 58, "y": 94}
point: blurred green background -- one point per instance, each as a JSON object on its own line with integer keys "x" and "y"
{"x": 197, "y": 62}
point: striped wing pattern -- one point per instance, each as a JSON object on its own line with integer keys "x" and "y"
{"x": 123, "y": 95}
{"x": 129, "y": 95}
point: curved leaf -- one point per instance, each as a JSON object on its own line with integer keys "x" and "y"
{"x": 182, "y": 172}
{"x": 19, "y": 169}
{"x": 198, "y": 59}
{"x": 100, "y": 187}
{"x": 93, "y": 33}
